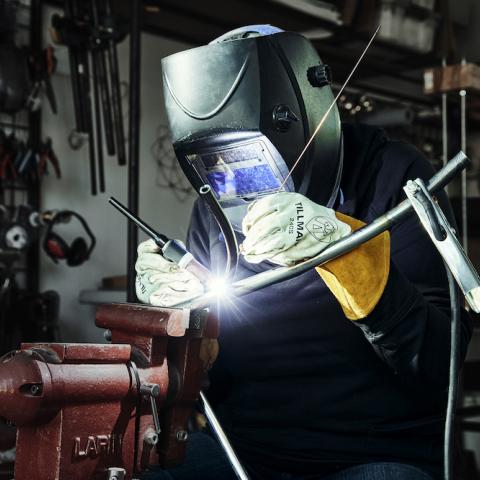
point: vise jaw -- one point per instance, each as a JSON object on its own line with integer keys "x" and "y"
{"x": 82, "y": 408}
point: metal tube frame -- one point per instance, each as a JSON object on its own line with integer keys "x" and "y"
{"x": 342, "y": 246}
{"x": 463, "y": 146}
{"x": 445, "y": 126}
{"x": 223, "y": 439}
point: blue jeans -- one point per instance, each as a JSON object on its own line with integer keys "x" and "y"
{"x": 206, "y": 461}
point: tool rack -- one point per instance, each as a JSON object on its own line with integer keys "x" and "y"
{"x": 17, "y": 191}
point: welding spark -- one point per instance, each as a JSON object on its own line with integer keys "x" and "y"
{"x": 218, "y": 287}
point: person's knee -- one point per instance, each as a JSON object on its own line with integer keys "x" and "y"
{"x": 384, "y": 471}
{"x": 156, "y": 473}
{"x": 204, "y": 459}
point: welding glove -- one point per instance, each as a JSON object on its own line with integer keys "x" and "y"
{"x": 161, "y": 282}
{"x": 358, "y": 278}
{"x": 286, "y": 228}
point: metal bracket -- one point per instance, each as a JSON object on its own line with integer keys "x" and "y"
{"x": 115, "y": 473}
{"x": 443, "y": 237}
{"x": 152, "y": 390}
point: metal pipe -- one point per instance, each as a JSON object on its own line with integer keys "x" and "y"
{"x": 463, "y": 137}
{"x": 98, "y": 122}
{"x": 73, "y": 62}
{"x": 342, "y": 246}
{"x": 89, "y": 122}
{"x": 106, "y": 103}
{"x": 445, "y": 126}
{"x": 115, "y": 75}
{"x": 223, "y": 440}
{"x": 98, "y": 55}
{"x": 134, "y": 142}
{"x": 82, "y": 77}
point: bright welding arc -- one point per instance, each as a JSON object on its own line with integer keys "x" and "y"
{"x": 322, "y": 121}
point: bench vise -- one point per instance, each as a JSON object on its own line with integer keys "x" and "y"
{"x": 83, "y": 411}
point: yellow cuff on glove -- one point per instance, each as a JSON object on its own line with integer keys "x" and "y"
{"x": 358, "y": 278}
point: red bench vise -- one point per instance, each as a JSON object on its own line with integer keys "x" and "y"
{"x": 81, "y": 409}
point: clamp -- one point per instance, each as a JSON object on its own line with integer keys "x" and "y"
{"x": 443, "y": 237}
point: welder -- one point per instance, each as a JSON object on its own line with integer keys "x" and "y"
{"x": 342, "y": 372}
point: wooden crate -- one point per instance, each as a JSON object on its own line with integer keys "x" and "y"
{"x": 452, "y": 78}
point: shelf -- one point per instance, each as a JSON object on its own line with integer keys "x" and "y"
{"x": 99, "y": 297}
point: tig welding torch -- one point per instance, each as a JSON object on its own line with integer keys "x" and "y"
{"x": 172, "y": 250}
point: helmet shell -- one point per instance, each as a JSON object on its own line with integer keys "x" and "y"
{"x": 256, "y": 84}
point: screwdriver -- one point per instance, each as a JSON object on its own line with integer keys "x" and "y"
{"x": 172, "y": 250}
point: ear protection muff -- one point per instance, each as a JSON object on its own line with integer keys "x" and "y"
{"x": 78, "y": 252}
{"x": 57, "y": 248}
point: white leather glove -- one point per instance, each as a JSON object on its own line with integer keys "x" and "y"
{"x": 287, "y": 227}
{"x": 161, "y": 282}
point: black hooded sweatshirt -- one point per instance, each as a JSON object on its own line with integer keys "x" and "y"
{"x": 297, "y": 386}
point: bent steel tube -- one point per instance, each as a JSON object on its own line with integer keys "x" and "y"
{"x": 342, "y": 246}
{"x": 223, "y": 439}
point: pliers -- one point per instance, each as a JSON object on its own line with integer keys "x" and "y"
{"x": 47, "y": 154}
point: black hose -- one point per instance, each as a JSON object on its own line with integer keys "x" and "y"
{"x": 226, "y": 228}
{"x": 453, "y": 377}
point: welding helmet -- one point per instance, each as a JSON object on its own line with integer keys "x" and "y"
{"x": 241, "y": 110}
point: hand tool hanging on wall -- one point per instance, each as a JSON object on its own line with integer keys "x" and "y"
{"x": 99, "y": 57}
{"x": 90, "y": 32}
{"x": 42, "y": 67}
{"x": 72, "y": 31}
{"x": 20, "y": 159}
{"x": 112, "y": 29}
{"x": 89, "y": 118}
{"x": 64, "y": 31}
{"x": 101, "y": 95}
